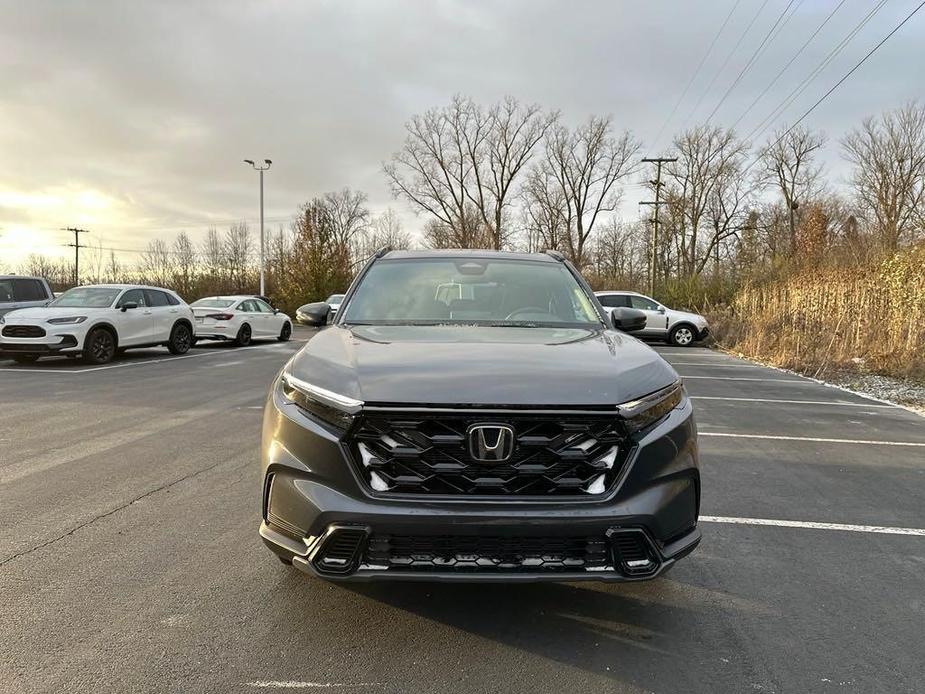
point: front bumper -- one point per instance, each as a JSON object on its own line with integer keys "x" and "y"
{"x": 51, "y": 344}
{"x": 311, "y": 493}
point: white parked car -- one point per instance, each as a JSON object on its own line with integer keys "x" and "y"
{"x": 334, "y": 301}
{"x": 677, "y": 327}
{"x": 97, "y": 322}
{"x": 239, "y": 319}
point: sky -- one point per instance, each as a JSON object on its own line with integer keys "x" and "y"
{"x": 131, "y": 119}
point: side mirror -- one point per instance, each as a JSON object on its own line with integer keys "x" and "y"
{"x": 628, "y": 319}
{"x": 661, "y": 309}
{"x": 275, "y": 311}
{"x": 129, "y": 304}
{"x": 313, "y": 314}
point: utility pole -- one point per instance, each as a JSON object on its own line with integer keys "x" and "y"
{"x": 261, "y": 169}
{"x": 76, "y": 246}
{"x": 658, "y": 202}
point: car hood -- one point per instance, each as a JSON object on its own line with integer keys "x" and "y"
{"x": 39, "y": 314}
{"x": 465, "y": 365}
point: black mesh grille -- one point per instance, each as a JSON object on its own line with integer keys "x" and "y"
{"x": 23, "y": 331}
{"x": 340, "y": 551}
{"x": 428, "y": 454}
{"x": 486, "y": 554}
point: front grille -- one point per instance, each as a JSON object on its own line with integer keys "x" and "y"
{"x": 23, "y": 331}
{"x": 428, "y": 454}
{"x": 486, "y": 554}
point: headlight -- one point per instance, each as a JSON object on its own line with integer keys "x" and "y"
{"x": 67, "y": 320}
{"x": 335, "y": 409}
{"x": 646, "y": 411}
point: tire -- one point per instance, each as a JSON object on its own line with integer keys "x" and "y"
{"x": 25, "y": 358}
{"x": 243, "y": 338}
{"x": 682, "y": 335}
{"x": 286, "y": 332}
{"x": 181, "y": 339}
{"x": 99, "y": 347}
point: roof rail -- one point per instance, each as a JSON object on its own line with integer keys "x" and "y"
{"x": 382, "y": 251}
{"x": 555, "y": 254}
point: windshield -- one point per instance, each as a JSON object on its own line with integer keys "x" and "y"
{"x": 87, "y": 297}
{"x": 213, "y": 303}
{"x": 335, "y": 299}
{"x": 473, "y": 291}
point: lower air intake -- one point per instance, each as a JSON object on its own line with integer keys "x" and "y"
{"x": 340, "y": 550}
{"x": 486, "y": 554}
{"x": 634, "y": 554}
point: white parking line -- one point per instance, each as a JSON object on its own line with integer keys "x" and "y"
{"x": 107, "y": 367}
{"x": 840, "y": 403}
{"x": 749, "y": 378}
{"x": 717, "y": 366}
{"x": 812, "y": 438}
{"x": 273, "y": 684}
{"x": 883, "y": 530}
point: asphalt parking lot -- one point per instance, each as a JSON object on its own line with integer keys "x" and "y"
{"x": 130, "y": 561}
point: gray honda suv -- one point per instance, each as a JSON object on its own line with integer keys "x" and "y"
{"x": 476, "y": 415}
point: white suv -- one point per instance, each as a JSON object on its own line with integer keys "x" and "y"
{"x": 677, "y": 327}
{"x": 98, "y": 321}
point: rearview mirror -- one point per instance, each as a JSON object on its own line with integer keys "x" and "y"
{"x": 129, "y": 304}
{"x": 313, "y": 314}
{"x": 628, "y": 319}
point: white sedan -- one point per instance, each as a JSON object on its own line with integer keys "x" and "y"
{"x": 97, "y": 322}
{"x": 239, "y": 319}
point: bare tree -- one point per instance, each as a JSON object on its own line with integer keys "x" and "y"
{"x": 184, "y": 264}
{"x": 889, "y": 173}
{"x": 578, "y": 172}
{"x": 156, "y": 263}
{"x": 705, "y": 192}
{"x": 461, "y": 164}
{"x": 347, "y": 216}
{"x": 789, "y": 163}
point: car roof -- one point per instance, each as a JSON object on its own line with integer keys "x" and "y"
{"x": 21, "y": 277}
{"x": 123, "y": 286}
{"x": 618, "y": 291}
{"x": 480, "y": 253}
{"x": 230, "y": 297}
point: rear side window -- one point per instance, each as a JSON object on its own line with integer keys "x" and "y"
{"x": 156, "y": 298}
{"x": 28, "y": 290}
{"x": 6, "y": 291}
{"x": 613, "y": 300}
{"x": 261, "y": 306}
{"x": 171, "y": 299}
{"x": 132, "y": 295}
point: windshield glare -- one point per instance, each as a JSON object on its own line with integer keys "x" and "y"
{"x": 213, "y": 303}
{"x": 87, "y": 297}
{"x": 475, "y": 291}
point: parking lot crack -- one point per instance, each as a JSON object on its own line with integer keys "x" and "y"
{"x": 110, "y": 512}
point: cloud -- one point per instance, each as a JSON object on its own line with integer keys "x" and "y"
{"x": 152, "y": 106}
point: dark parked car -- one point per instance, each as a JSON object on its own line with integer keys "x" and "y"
{"x": 18, "y": 292}
{"x": 503, "y": 430}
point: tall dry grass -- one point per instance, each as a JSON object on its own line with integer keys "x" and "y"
{"x": 868, "y": 318}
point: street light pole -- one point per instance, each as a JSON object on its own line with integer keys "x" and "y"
{"x": 261, "y": 169}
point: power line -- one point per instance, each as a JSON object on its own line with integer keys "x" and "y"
{"x": 801, "y": 87}
{"x": 751, "y": 61}
{"x": 726, "y": 61}
{"x": 696, "y": 73}
{"x": 842, "y": 80}
{"x": 789, "y": 63}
